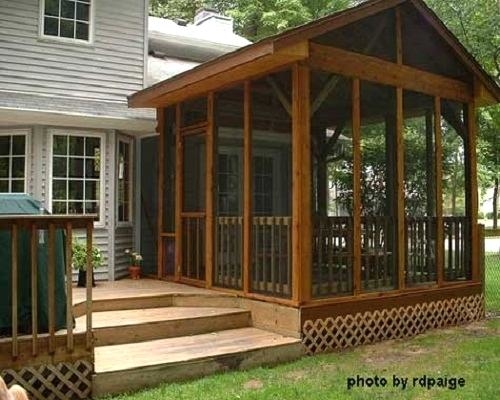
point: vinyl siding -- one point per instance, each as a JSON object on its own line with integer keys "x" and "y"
{"x": 109, "y": 68}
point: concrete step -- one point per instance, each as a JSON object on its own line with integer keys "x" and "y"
{"x": 130, "y": 367}
{"x": 138, "y": 325}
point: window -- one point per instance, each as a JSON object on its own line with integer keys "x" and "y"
{"x": 67, "y": 19}
{"x": 229, "y": 178}
{"x": 263, "y": 173}
{"x": 12, "y": 163}
{"x": 76, "y": 174}
{"x": 124, "y": 181}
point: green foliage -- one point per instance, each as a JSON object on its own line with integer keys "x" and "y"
{"x": 80, "y": 256}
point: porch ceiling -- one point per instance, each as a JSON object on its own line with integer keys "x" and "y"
{"x": 291, "y": 46}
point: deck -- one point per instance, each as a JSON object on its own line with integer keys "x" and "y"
{"x": 148, "y": 332}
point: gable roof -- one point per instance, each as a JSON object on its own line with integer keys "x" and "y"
{"x": 268, "y": 52}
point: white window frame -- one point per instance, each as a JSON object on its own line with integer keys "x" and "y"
{"x": 102, "y": 186}
{"x": 130, "y": 141}
{"x": 27, "y": 153}
{"x": 41, "y": 26}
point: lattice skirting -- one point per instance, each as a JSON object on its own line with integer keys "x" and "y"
{"x": 395, "y": 323}
{"x": 49, "y": 382}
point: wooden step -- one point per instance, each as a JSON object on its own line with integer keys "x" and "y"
{"x": 132, "y": 326}
{"x": 129, "y": 367}
{"x": 126, "y": 301}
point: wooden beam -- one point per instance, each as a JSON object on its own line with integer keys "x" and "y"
{"x": 160, "y": 128}
{"x": 51, "y": 286}
{"x": 70, "y": 343}
{"x": 247, "y": 188}
{"x": 215, "y": 76}
{"x": 209, "y": 191}
{"x": 285, "y": 102}
{"x": 179, "y": 156}
{"x": 356, "y": 184}
{"x": 438, "y": 137}
{"x": 376, "y": 70}
{"x": 399, "y": 37}
{"x": 335, "y": 21}
{"x": 460, "y": 51}
{"x": 332, "y": 83}
{"x": 301, "y": 185}
{"x": 400, "y": 192}
{"x": 471, "y": 187}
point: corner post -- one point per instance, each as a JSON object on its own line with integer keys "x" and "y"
{"x": 471, "y": 188}
{"x": 301, "y": 185}
{"x": 178, "y": 193}
{"x": 356, "y": 185}
{"x": 247, "y": 188}
{"x": 209, "y": 191}
{"x": 160, "y": 128}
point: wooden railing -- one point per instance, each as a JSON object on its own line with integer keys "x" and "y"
{"x": 272, "y": 267}
{"x": 457, "y": 266}
{"x": 332, "y": 256}
{"x": 229, "y": 252}
{"x": 193, "y": 246}
{"x": 420, "y": 250}
{"x": 34, "y": 238}
{"x": 378, "y": 270}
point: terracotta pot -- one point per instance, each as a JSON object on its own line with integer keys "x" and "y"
{"x": 134, "y": 271}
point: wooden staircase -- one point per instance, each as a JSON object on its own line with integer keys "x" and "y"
{"x": 144, "y": 341}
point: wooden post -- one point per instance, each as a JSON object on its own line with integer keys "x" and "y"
{"x": 439, "y": 192}
{"x": 160, "y": 117}
{"x": 247, "y": 188}
{"x": 14, "y": 288}
{"x": 209, "y": 191}
{"x": 301, "y": 185}
{"x": 356, "y": 184}
{"x": 400, "y": 192}
{"x": 471, "y": 187}
{"x": 178, "y": 193}
{"x": 69, "y": 288}
{"x": 88, "y": 303}
{"x": 34, "y": 288}
{"x": 51, "y": 261}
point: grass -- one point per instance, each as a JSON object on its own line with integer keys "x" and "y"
{"x": 471, "y": 352}
{"x": 492, "y": 272}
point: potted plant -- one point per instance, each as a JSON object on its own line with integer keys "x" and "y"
{"x": 80, "y": 262}
{"x": 135, "y": 260}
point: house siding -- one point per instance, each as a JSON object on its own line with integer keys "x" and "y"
{"x": 109, "y": 68}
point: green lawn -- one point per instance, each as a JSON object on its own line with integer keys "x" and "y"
{"x": 471, "y": 353}
{"x": 492, "y": 271}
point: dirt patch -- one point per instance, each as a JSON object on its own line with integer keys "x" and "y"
{"x": 296, "y": 375}
{"x": 253, "y": 384}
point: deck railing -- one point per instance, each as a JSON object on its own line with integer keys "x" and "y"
{"x": 41, "y": 337}
{"x": 457, "y": 266}
{"x": 193, "y": 246}
{"x": 229, "y": 252}
{"x": 332, "y": 247}
{"x": 332, "y": 256}
{"x": 420, "y": 250}
{"x": 272, "y": 267}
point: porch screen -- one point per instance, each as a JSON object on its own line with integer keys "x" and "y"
{"x": 332, "y": 178}
{"x": 420, "y": 188}
{"x": 271, "y": 182}
{"x": 378, "y": 187}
